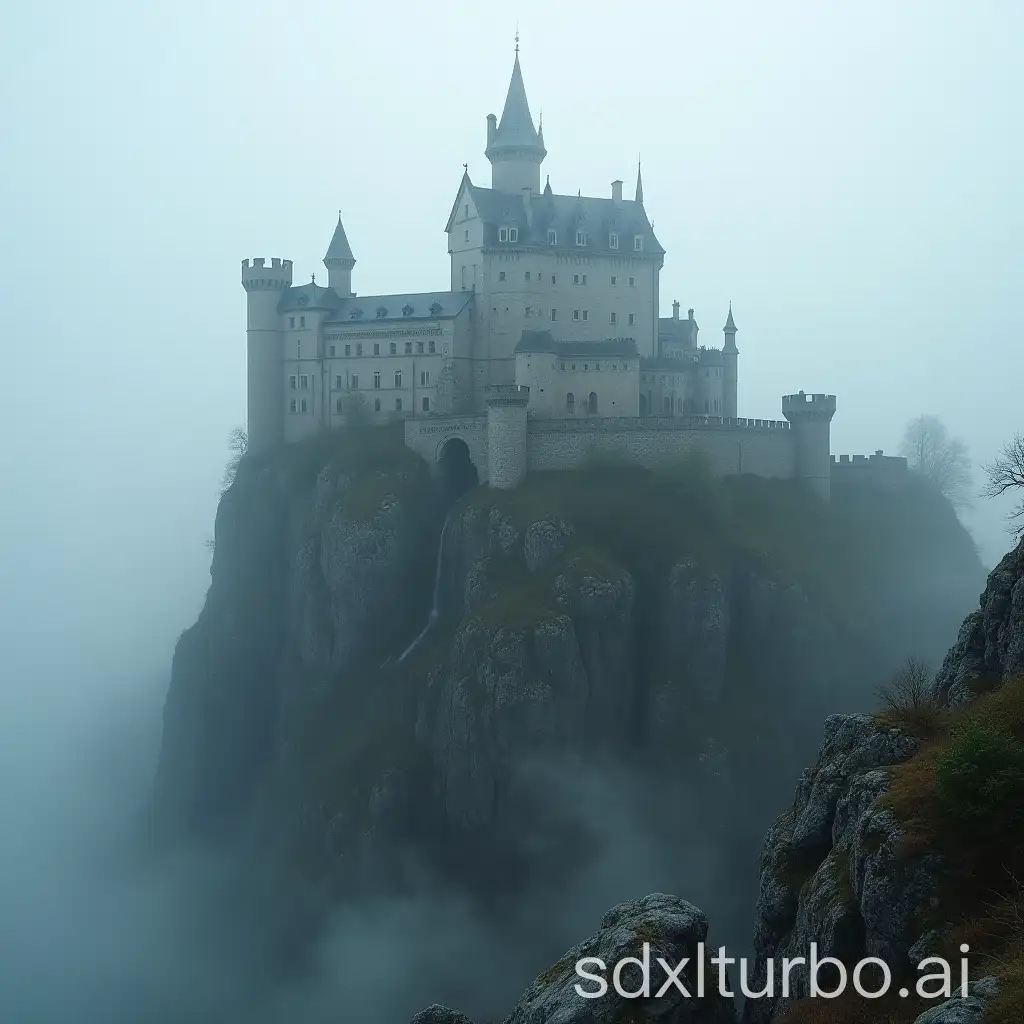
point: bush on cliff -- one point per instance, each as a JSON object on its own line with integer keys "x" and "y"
{"x": 980, "y": 776}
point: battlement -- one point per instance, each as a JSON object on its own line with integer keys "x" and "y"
{"x": 808, "y": 407}
{"x": 879, "y": 469}
{"x": 506, "y": 394}
{"x": 257, "y": 276}
{"x": 678, "y": 424}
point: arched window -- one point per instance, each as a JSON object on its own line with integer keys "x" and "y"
{"x": 667, "y": 403}
{"x": 570, "y": 402}
{"x": 592, "y": 403}
{"x": 643, "y": 405}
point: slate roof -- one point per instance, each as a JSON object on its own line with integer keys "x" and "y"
{"x": 515, "y": 129}
{"x": 362, "y": 309}
{"x": 566, "y": 214}
{"x": 679, "y": 332}
{"x": 542, "y": 341}
{"x": 339, "y": 249}
{"x": 308, "y": 296}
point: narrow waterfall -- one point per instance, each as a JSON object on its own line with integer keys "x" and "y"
{"x": 435, "y": 604}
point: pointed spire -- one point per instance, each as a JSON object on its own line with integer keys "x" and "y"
{"x": 339, "y": 249}
{"x": 730, "y": 324}
{"x": 639, "y": 183}
{"x": 516, "y": 125}
{"x": 547, "y": 186}
{"x": 730, "y": 332}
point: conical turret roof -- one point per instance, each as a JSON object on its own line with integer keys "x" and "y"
{"x": 339, "y": 249}
{"x": 516, "y": 125}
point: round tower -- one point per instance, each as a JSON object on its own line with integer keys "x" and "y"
{"x": 730, "y": 359}
{"x": 506, "y": 434}
{"x": 264, "y": 285}
{"x": 810, "y": 416}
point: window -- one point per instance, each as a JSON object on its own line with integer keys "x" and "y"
{"x": 529, "y": 311}
{"x": 552, "y": 238}
{"x": 585, "y": 314}
{"x": 465, "y": 211}
{"x": 376, "y": 349}
{"x": 376, "y": 405}
{"x": 292, "y": 382}
{"x": 291, "y": 321}
{"x": 337, "y": 382}
{"x": 552, "y": 278}
{"x": 508, "y": 234}
{"x": 527, "y": 275}
{"x": 298, "y": 349}
{"x": 614, "y": 318}
{"x": 393, "y": 348}
{"x": 424, "y": 378}
{"x": 398, "y": 404}
{"x": 467, "y": 235}
{"x": 359, "y": 349}
{"x": 592, "y": 403}
{"x": 632, "y": 282}
{"x": 581, "y": 238}
{"x": 302, "y": 405}
{"x": 376, "y": 379}
{"x": 304, "y": 382}
{"x": 426, "y": 404}
{"x": 614, "y": 279}
{"x": 667, "y": 404}
{"x": 419, "y": 348}
{"x": 337, "y": 405}
{"x": 302, "y": 321}
{"x": 431, "y": 347}
{"x": 632, "y": 319}
{"x": 348, "y": 350}
{"x": 575, "y": 278}
{"x": 638, "y": 242}
{"x": 570, "y": 403}
{"x": 613, "y": 240}
{"x": 408, "y": 348}
{"x": 398, "y": 378}
{"x": 501, "y": 275}
{"x": 355, "y": 382}
{"x": 291, "y": 405}
{"x": 575, "y": 314}
{"x": 333, "y": 351}
{"x": 554, "y": 314}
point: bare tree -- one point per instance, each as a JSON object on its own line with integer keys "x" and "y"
{"x": 238, "y": 445}
{"x": 1006, "y": 473}
{"x": 939, "y": 458}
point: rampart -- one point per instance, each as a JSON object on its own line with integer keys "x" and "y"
{"x": 878, "y": 470}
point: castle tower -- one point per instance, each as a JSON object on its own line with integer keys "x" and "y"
{"x": 264, "y": 287}
{"x": 730, "y": 356}
{"x": 339, "y": 262}
{"x": 514, "y": 147}
{"x": 811, "y": 416}
{"x": 506, "y": 434}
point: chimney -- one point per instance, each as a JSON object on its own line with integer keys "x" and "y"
{"x": 675, "y": 309}
{"x": 617, "y": 191}
{"x": 689, "y": 314}
{"x": 527, "y": 209}
{"x": 492, "y": 128}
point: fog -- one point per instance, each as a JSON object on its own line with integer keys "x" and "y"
{"x": 849, "y": 179}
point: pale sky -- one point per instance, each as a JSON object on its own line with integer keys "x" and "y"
{"x": 847, "y": 174}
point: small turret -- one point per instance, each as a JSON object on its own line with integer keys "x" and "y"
{"x": 506, "y": 434}
{"x": 339, "y": 262}
{"x": 264, "y": 285}
{"x": 639, "y": 197}
{"x": 730, "y": 355}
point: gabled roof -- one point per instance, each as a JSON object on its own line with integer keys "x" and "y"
{"x": 339, "y": 249}
{"x": 368, "y": 309}
{"x": 566, "y": 214}
{"x": 678, "y": 332}
{"x": 308, "y": 296}
{"x": 542, "y": 341}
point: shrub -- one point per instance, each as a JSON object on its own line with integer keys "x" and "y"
{"x": 980, "y": 776}
{"x": 909, "y": 698}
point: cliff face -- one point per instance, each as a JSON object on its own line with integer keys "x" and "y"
{"x": 696, "y": 630}
{"x": 874, "y": 859}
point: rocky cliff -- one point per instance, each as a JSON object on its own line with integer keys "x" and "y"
{"x": 906, "y": 837}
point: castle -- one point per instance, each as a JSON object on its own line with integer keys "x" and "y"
{"x": 548, "y": 344}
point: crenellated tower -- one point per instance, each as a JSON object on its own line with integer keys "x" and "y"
{"x": 264, "y": 286}
{"x": 811, "y": 416}
{"x": 514, "y": 147}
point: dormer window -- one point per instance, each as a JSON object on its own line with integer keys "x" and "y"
{"x": 435, "y": 308}
{"x": 552, "y": 236}
{"x": 382, "y": 311}
{"x": 508, "y": 234}
{"x": 581, "y": 238}
{"x": 356, "y": 313}
{"x": 638, "y": 243}
{"x": 407, "y": 310}
{"x": 613, "y": 240}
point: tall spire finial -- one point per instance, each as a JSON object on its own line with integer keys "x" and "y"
{"x": 639, "y": 182}
{"x": 517, "y": 38}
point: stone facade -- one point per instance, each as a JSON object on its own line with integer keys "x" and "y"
{"x": 550, "y": 337}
